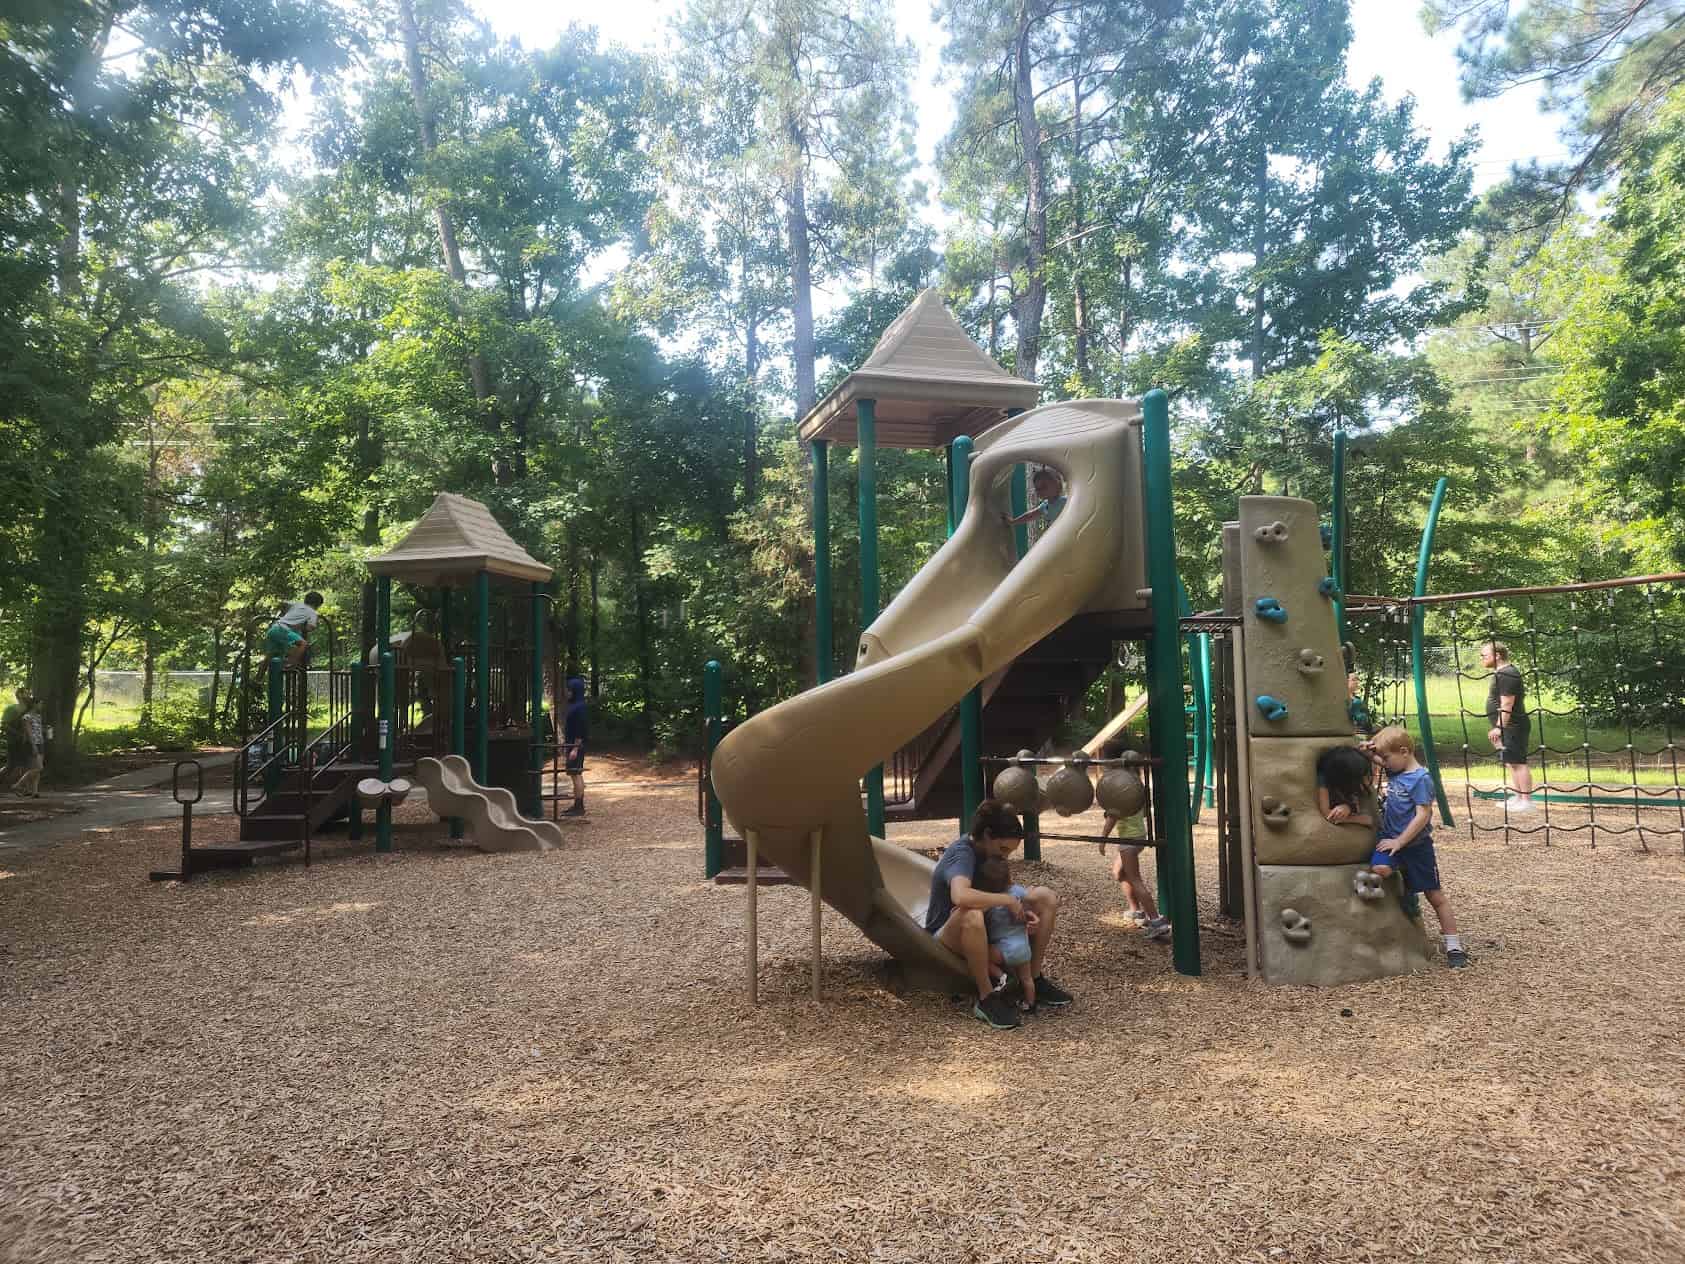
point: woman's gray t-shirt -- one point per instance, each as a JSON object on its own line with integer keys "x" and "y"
{"x": 958, "y": 860}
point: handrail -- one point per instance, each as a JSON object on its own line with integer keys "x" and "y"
{"x": 244, "y": 774}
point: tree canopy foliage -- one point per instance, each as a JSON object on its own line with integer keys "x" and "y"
{"x": 276, "y": 271}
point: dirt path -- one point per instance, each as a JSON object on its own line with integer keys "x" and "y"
{"x": 120, "y": 800}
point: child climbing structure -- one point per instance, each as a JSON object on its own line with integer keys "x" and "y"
{"x": 1321, "y": 916}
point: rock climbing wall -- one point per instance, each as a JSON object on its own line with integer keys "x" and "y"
{"x": 1323, "y": 916}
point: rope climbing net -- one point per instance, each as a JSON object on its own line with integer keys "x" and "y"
{"x": 1591, "y": 747}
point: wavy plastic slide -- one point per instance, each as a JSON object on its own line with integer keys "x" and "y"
{"x": 488, "y": 811}
{"x": 967, "y": 614}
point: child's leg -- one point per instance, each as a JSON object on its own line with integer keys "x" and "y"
{"x": 29, "y": 785}
{"x": 1027, "y": 981}
{"x": 1140, "y": 896}
{"x": 1442, "y": 910}
{"x": 1120, "y": 875}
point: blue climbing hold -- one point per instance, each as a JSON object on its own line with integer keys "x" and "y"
{"x": 1326, "y": 586}
{"x": 1270, "y": 608}
{"x": 1327, "y": 536}
{"x": 1273, "y": 708}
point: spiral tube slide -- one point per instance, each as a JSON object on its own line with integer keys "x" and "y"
{"x": 967, "y": 614}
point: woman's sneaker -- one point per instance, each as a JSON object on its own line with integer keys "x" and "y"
{"x": 996, "y": 1010}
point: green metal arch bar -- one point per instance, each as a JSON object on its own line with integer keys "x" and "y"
{"x": 1337, "y": 559}
{"x": 1417, "y": 669}
{"x": 971, "y": 706}
{"x": 1199, "y": 662}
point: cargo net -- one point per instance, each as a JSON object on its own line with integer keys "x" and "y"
{"x": 1598, "y": 673}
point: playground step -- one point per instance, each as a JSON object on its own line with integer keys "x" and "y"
{"x": 247, "y": 847}
{"x": 273, "y": 827}
{"x": 766, "y": 876}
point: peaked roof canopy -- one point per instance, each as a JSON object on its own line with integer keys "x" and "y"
{"x": 932, "y": 383}
{"x": 457, "y": 538}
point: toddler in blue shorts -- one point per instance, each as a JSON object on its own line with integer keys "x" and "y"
{"x": 1405, "y": 841}
{"x": 1007, "y": 935}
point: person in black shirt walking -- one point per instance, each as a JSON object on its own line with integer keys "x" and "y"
{"x": 1506, "y": 712}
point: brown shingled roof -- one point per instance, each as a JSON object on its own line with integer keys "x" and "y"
{"x": 931, "y": 382}
{"x": 457, "y": 538}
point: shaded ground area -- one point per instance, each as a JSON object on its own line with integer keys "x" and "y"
{"x": 438, "y": 1055}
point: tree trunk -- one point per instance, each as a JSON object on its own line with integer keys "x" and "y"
{"x": 1079, "y": 291}
{"x": 572, "y": 625}
{"x": 596, "y": 669}
{"x": 1260, "y": 243}
{"x": 1033, "y": 301}
{"x": 448, "y": 247}
{"x": 801, "y": 274}
{"x": 646, "y": 670}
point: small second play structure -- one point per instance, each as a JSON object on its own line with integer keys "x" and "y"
{"x": 458, "y": 713}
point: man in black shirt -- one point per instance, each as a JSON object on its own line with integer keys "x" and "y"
{"x": 1506, "y": 712}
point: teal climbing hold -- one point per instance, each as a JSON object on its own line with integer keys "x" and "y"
{"x": 1327, "y": 536}
{"x": 1272, "y": 708}
{"x": 1327, "y": 587}
{"x": 1270, "y": 608}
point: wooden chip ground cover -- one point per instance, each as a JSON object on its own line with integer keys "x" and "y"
{"x": 438, "y": 1055}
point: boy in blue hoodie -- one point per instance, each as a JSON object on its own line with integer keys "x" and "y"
{"x": 576, "y": 730}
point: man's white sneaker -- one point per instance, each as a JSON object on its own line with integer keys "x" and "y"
{"x": 1517, "y": 806}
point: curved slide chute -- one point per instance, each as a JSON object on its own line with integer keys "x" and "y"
{"x": 973, "y": 608}
{"x": 489, "y": 812}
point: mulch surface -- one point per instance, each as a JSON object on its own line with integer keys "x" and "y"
{"x": 438, "y": 1055}
{"x": 17, "y": 811}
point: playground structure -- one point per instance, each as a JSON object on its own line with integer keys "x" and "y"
{"x": 468, "y": 725}
{"x": 994, "y": 636}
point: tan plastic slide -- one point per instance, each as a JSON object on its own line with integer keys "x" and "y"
{"x": 969, "y": 612}
{"x": 488, "y": 812}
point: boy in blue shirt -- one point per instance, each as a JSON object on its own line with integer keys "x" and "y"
{"x": 1406, "y": 834}
{"x": 1050, "y": 501}
{"x": 576, "y": 731}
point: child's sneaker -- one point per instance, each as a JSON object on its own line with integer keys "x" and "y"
{"x": 1136, "y": 916}
{"x": 1456, "y": 958}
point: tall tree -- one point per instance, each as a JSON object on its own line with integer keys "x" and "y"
{"x": 1608, "y": 65}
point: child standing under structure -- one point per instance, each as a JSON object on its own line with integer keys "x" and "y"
{"x": 1126, "y": 864}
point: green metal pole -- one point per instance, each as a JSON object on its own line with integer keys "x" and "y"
{"x": 1164, "y": 675}
{"x": 1337, "y": 560}
{"x": 1203, "y": 687}
{"x": 824, "y": 650}
{"x": 1032, "y": 835}
{"x": 536, "y": 758}
{"x": 1020, "y": 502}
{"x": 354, "y": 829}
{"x": 459, "y": 721}
{"x": 277, "y": 702}
{"x": 482, "y": 675}
{"x": 713, "y": 845}
{"x": 971, "y": 706}
{"x": 948, "y": 485}
{"x": 1021, "y": 533}
{"x": 1417, "y": 669}
{"x": 388, "y": 734}
{"x": 866, "y": 452}
{"x": 1199, "y": 664}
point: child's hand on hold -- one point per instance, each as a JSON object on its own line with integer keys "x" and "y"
{"x": 1338, "y": 813}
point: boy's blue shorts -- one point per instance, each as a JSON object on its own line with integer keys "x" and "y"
{"x": 1417, "y": 863}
